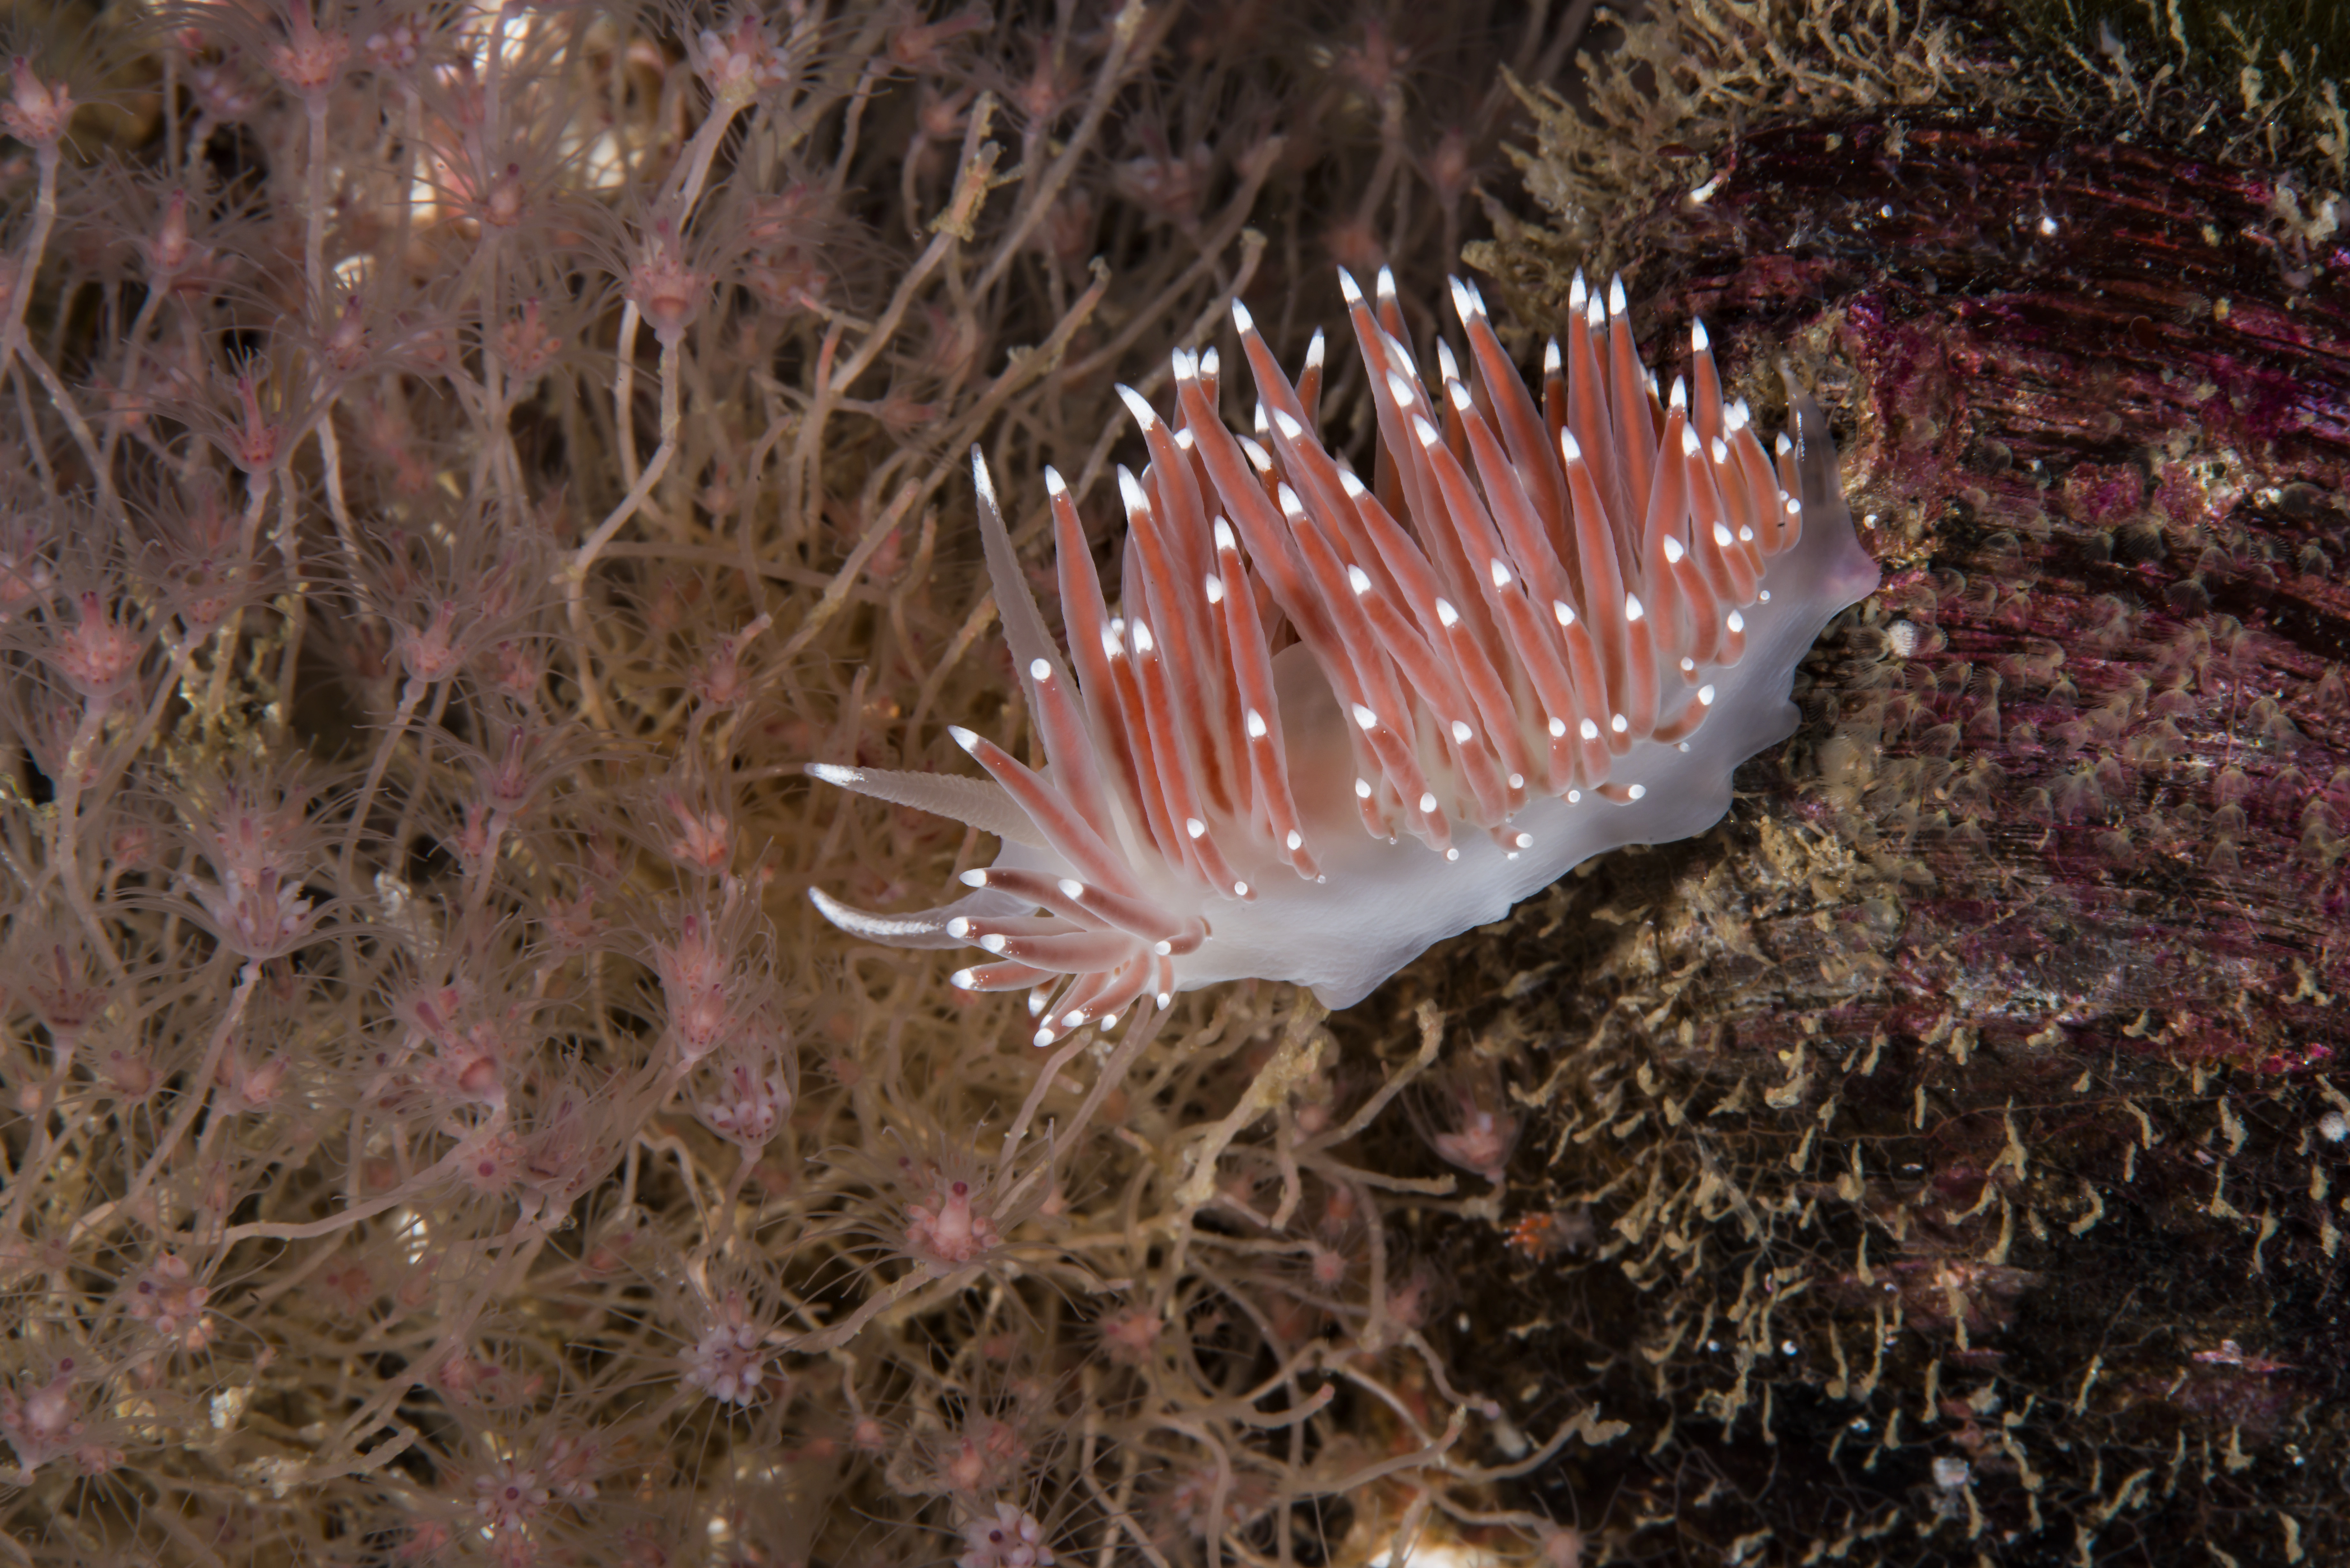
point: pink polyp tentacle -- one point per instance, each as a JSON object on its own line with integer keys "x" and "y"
{"x": 1070, "y": 835}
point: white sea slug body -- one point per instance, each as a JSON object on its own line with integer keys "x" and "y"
{"x": 1335, "y": 723}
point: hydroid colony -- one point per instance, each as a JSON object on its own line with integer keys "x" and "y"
{"x": 1334, "y": 723}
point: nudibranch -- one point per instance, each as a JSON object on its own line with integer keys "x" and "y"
{"x": 1334, "y": 723}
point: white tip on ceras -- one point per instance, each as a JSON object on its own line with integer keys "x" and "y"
{"x": 961, "y": 737}
{"x": 1224, "y": 540}
{"x": 1207, "y": 362}
{"x": 1578, "y": 293}
{"x": 1314, "y": 351}
{"x": 1673, "y": 551}
{"x": 1259, "y": 459}
{"x": 832, "y": 773}
{"x": 1461, "y": 733}
{"x": 1698, "y": 342}
{"x": 1359, "y": 580}
{"x": 1256, "y": 731}
{"x": 1569, "y": 449}
{"x": 1137, "y": 405}
{"x": 1617, "y": 304}
{"x": 1243, "y": 322}
{"x": 1690, "y": 442}
{"x": 1446, "y": 614}
{"x": 1040, "y": 669}
{"x": 1129, "y": 491}
{"x": 1387, "y": 282}
{"x": 1500, "y": 571}
{"x": 1214, "y": 588}
{"x": 1355, "y": 488}
{"x": 1054, "y": 484}
{"x": 1290, "y": 505}
{"x": 1458, "y": 393}
{"x": 1402, "y": 391}
{"x": 1257, "y": 421}
{"x": 1461, "y": 308}
{"x": 1632, "y": 607}
{"x": 1595, "y": 315}
{"x": 1447, "y": 368}
{"x": 1368, "y": 721}
{"x": 1680, "y": 399}
{"x": 1554, "y": 363}
{"x": 1348, "y": 289}
{"x": 1289, "y": 427}
{"x": 1426, "y": 433}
